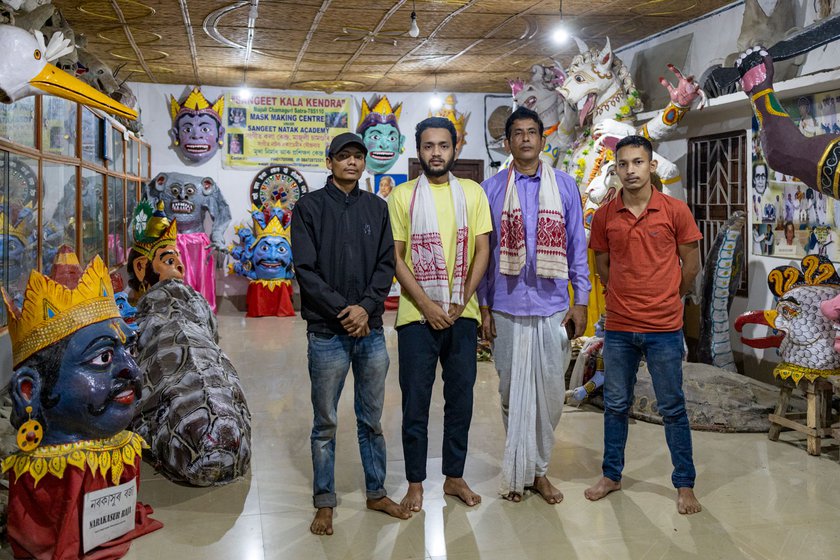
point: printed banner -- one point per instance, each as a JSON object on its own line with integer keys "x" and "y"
{"x": 265, "y": 130}
{"x": 790, "y": 220}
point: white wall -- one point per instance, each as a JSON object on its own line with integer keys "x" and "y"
{"x": 235, "y": 184}
{"x": 715, "y": 37}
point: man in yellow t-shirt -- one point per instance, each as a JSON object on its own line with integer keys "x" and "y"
{"x": 442, "y": 223}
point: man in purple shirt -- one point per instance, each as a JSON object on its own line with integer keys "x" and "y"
{"x": 537, "y": 247}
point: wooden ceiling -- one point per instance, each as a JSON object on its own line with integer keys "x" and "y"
{"x": 363, "y": 45}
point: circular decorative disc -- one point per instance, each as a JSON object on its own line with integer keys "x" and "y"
{"x": 278, "y": 182}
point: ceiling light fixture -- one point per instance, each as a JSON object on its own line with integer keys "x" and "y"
{"x": 435, "y": 102}
{"x": 252, "y": 22}
{"x": 244, "y": 92}
{"x": 561, "y": 33}
{"x": 413, "y": 30}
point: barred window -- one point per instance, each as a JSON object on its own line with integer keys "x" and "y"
{"x": 717, "y": 186}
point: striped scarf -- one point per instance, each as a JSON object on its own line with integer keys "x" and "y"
{"x": 427, "y": 255}
{"x": 551, "y": 230}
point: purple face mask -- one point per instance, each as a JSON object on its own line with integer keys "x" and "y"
{"x": 198, "y": 136}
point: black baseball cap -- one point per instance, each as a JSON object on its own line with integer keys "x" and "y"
{"x": 343, "y": 140}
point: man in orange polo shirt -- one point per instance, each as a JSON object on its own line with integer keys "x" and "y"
{"x": 640, "y": 238}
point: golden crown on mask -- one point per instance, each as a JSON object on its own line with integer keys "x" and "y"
{"x": 274, "y": 227}
{"x": 160, "y": 232}
{"x": 52, "y": 311}
{"x": 448, "y": 111}
{"x": 381, "y": 106}
{"x": 195, "y": 102}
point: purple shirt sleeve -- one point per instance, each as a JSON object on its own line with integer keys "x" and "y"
{"x": 487, "y": 285}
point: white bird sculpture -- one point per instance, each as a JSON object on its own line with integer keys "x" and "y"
{"x": 25, "y": 70}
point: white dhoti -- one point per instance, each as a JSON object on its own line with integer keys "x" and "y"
{"x": 531, "y": 355}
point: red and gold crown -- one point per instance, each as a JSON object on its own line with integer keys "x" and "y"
{"x": 66, "y": 269}
{"x": 52, "y": 311}
{"x": 274, "y": 227}
{"x": 196, "y": 103}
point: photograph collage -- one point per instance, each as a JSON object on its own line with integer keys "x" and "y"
{"x": 789, "y": 219}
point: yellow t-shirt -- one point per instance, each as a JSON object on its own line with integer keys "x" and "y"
{"x": 478, "y": 222}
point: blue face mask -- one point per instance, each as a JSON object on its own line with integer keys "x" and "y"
{"x": 273, "y": 259}
{"x": 98, "y": 387}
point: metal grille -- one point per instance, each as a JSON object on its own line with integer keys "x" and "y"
{"x": 717, "y": 186}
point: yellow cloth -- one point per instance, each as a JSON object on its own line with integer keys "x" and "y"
{"x": 597, "y": 305}
{"x": 478, "y": 222}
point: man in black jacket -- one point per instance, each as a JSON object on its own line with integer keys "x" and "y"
{"x": 344, "y": 260}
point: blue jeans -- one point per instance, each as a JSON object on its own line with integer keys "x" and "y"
{"x": 330, "y": 358}
{"x": 663, "y": 353}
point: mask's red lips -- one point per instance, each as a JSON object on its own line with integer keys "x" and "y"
{"x": 126, "y": 397}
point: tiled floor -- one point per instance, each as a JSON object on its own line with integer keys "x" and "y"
{"x": 761, "y": 499}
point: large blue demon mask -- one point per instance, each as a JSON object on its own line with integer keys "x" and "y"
{"x": 75, "y": 389}
{"x": 264, "y": 251}
{"x": 379, "y": 129}
{"x": 74, "y": 372}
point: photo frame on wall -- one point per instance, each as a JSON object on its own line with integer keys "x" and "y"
{"x": 386, "y": 182}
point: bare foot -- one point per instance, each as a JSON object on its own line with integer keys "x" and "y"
{"x": 601, "y": 489}
{"x": 546, "y": 489}
{"x": 413, "y": 500}
{"x": 389, "y": 506}
{"x": 513, "y": 497}
{"x": 687, "y": 502}
{"x": 458, "y": 488}
{"x": 322, "y": 524}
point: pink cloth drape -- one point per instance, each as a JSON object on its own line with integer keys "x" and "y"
{"x": 199, "y": 266}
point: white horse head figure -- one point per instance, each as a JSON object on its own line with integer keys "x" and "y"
{"x": 598, "y": 85}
